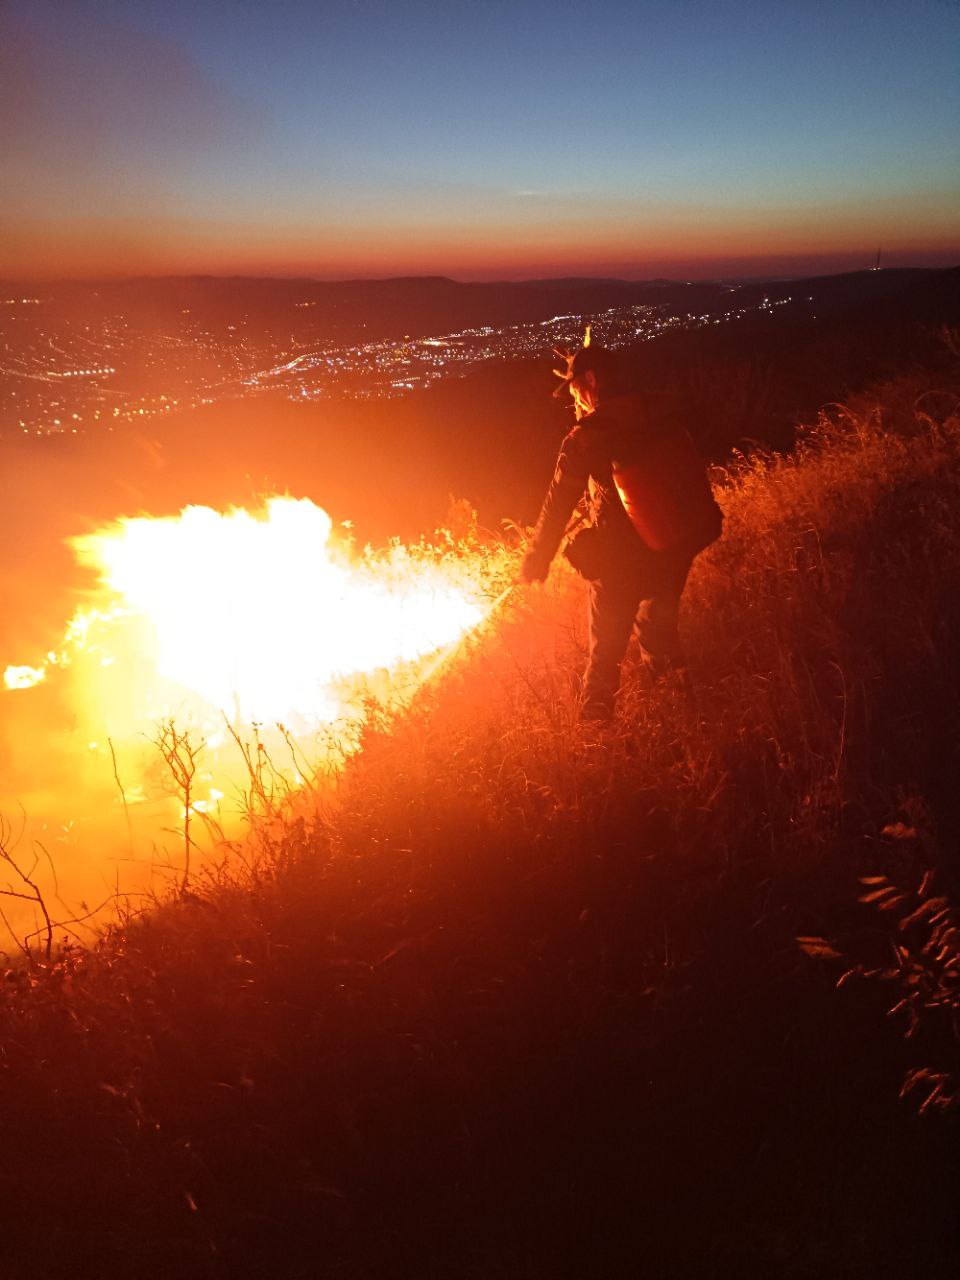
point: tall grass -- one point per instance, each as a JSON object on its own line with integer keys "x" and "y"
{"x": 516, "y": 997}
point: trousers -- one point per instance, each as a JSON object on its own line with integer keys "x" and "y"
{"x": 646, "y": 596}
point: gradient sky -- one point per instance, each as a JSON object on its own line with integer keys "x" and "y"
{"x": 490, "y": 139}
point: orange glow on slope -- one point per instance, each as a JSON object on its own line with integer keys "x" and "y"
{"x": 259, "y": 641}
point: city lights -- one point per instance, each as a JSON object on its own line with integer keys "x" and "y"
{"x": 61, "y": 375}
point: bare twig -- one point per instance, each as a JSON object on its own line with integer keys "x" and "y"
{"x": 180, "y": 756}
{"x": 123, "y": 794}
{"x": 35, "y": 895}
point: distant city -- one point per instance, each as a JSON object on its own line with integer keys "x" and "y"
{"x": 69, "y": 370}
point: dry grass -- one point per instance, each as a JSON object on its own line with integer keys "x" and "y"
{"x": 513, "y": 997}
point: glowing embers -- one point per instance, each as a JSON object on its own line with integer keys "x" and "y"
{"x": 254, "y": 615}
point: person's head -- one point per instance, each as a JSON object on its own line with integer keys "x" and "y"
{"x": 590, "y": 377}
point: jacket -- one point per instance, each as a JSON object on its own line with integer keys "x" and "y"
{"x": 623, "y": 451}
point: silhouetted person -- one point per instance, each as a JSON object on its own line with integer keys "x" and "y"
{"x": 651, "y": 512}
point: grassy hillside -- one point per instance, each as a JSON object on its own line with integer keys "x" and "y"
{"x": 516, "y": 998}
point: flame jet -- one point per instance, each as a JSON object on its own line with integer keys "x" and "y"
{"x": 250, "y": 614}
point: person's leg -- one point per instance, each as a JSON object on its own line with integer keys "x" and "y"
{"x": 659, "y": 612}
{"x": 613, "y": 608}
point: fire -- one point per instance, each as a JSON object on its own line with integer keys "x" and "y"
{"x": 255, "y": 614}
{"x": 23, "y": 677}
{"x": 252, "y": 615}
{"x": 242, "y": 640}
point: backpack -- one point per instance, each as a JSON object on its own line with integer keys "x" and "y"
{"x": 666, "y": 493}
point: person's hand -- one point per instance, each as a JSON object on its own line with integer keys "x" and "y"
{"x": 534, "y": 567}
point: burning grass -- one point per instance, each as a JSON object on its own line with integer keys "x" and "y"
{"x": 184, "y": 707}
{"x": 512, "y": 997}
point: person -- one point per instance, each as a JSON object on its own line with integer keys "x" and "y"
{"x": 651, "y": 512}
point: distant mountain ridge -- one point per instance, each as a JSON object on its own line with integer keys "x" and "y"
{"x": 395, "y": 307}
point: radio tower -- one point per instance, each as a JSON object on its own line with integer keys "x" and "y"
{"x": 876, "y": 265}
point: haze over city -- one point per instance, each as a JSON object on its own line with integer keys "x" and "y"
{"x": 479, "y": 141}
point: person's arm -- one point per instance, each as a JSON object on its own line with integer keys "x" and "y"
{"x": 566, "y": 489}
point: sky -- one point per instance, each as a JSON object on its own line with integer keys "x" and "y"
{"x": 480, "y": 140}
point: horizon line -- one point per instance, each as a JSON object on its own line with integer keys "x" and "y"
{"x": 296, "y": 278}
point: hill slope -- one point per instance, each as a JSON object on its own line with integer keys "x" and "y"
{"x": 516, "y": 999}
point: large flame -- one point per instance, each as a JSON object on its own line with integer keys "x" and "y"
{"x": 242, "y": 637}
{"x": 252, "y": 615}
{"x": 255, "y": 615}
{"x": 219, "y": 661}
